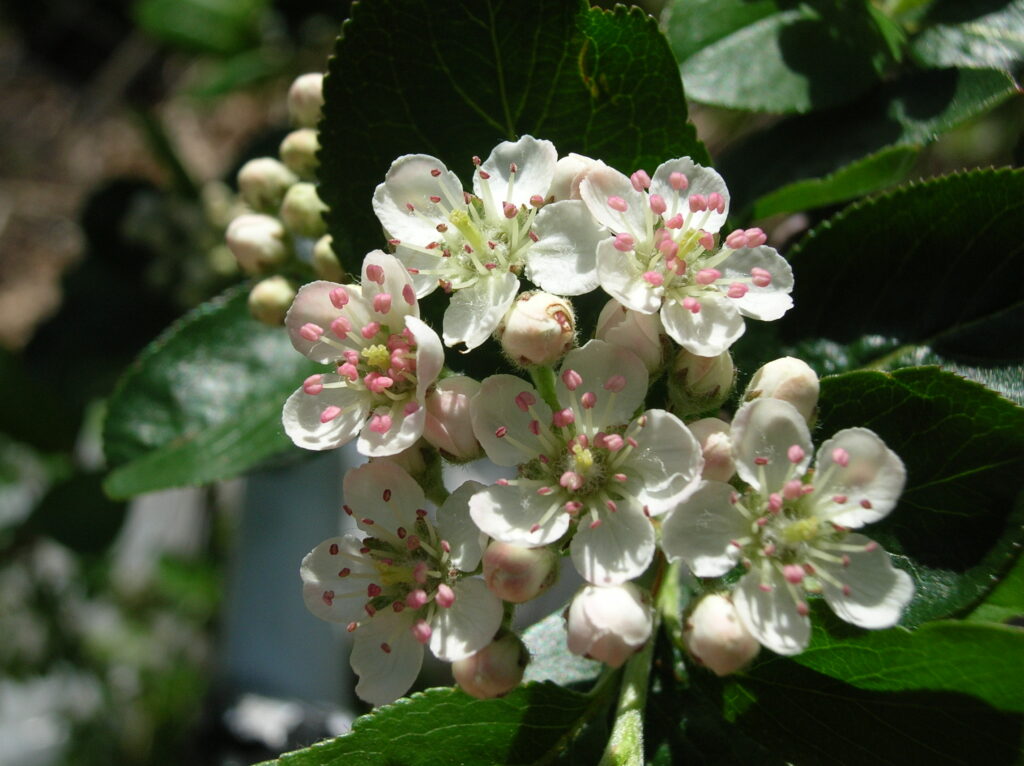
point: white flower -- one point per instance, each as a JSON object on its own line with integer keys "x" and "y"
{"x": 476, "y": 246}
{"x": 401, "y": 585}
{"x": 663, "y": 256}
{"x": 385, "y": 359}
{"x": 790, "y": 528}
{"x": 589, "y": 467}
{"x": 609, "y": 624}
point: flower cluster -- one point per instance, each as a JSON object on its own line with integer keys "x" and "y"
{"x": 596, "y": 472}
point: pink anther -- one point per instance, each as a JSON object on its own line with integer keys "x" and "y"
{"x": 792, "y": 489}
{"x": 588, "y": 400}
{"x": 501, "y": 432}
{"x": 370, "y": 330}
{"x": 708, "y": 276}
{"x": 536, "y": 200}
{"x": 755, "y": 237}
{"x": 675, "y": 222}
{"x": 640, "y": 180}
{"x": 571, "y": 480}
{"x": 445, "y": 596}
{"x": 654, "y": 278}
{"x": 794, "y": 573}
{"x": 421, "y": 631}
{"x": 615, "y": 383}
{"x": 341, "y": 327}
{"x": 382, "y": 303}
{"x": 658, "y": 206}
{"x": 841, "y": 457}
{"x": 716, "y": 202}
{"x": 313, "y": 385}
{"x": 329, "y": 414}
{"x": 524, "y": 400}
{"x": 613, "y": 442}
{"x": 707, "y": 240}
{"x": 380, "y": 424}
{"x": 678, "y": 181}
{"x": 760, "y": 277}
{"x": 617, "y": 203}
{"x": 562, "y": 418}
{"x": 375, "y": 273}
{"x": 737, "y": 290}
{"x": 348, "y": 370}
{"x": 623, "y": 242}
{"x": 691, "y": 304}
{"x": 668, "y": 247}
{"x": 409, "y": 295}
{"x": 572, "y": 379}
{"x": 795, "y": 454}
{"x": 339, "y": 297}
{"x": 509, "y": 210}
{"x": 311, "y": 332}
{"x": 736, "y": 239}
{"x": 698, "y": 203}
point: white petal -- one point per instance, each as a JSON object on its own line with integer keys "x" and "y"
{"x": 475, "y": 312}
{"x": 509, "y": 514}
{"x": 384, "y": 676}
{"x": 667, "y": 462}
{"x": 469, "y": 624}
{"x": 765, "y": 303}
{"x": 535, "y": 167}
{"x": 409, "y": 181}
{"x": 563, "y": 260}
{"x": 383, "y": 493}
{"x": 328, "y": 596}
{"x": 701, "y": 180}
{"x": 621, "y": 280}
{"x": 618, "y": 549}
{"x": 765, "y": 429}
{"x": 874, "y": 474}
{"x": 569, "y": 174}
{"x": 429, "y": 355}
{"x": 301, "y": 417}
{"x": 455, "y": 525}
{"x": 495, "y": 407}
{"x": 394, "y": 281}
{"x": 404, "y": 432}
{"x": 603, "y": 183}
{"x": 771, "y": 616}
{"x": 700, "y": 530}
{"x": 598, "y": 363}
{"x": 312, "y": 305}
{"x": 421, "y": 267}
{"x": 878, "y": 591}
{"x": 709, "y": 332}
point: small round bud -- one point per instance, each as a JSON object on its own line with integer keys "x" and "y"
{"x": 640, "y": 333}
{"x": 789, "y": 379}
{"x": 270, "y": 299}
{"x": 539, "y": 328}
{"x": 716, "y": 446}
{"x": 609, "y": 623}
{"x": 305, "y": 99}
{"x": 298, "y": 152}
{"x": 569, "y": 174}
{"x": 448, "y": 425}
{"x": 302, "y": 211}
{"x": 258, "y": 242}
{"x": 495, "y": 670}
{"x": 698, "y": 384}
{"x": 518, "y": 574}
{"x": 325, "y": 262}
{"x": 262, "y": 183}
{"x": 717, "y": 638}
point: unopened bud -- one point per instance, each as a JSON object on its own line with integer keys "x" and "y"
{"x": 569, "y": 173}
{"x": 716, "y": 446}
{"x": 305, "y": 99}
{"x": 325, "y": 262}
{"x": 539, "y": 328}
{"x": 263, "y": 182}
{"x": 270, "y": 299}
{"x": 640, "y": 333}
{"x": 609, "y": 623}
{"x": 517, "y": 574}
{"x": 495, "y": 670}
{"x": 699, "y": 384}
{"x": 298, "y": 151}
{"x": 257, "y": 242}
{"x": 717, "y": 638}
{"x": 789, "y": 379}
{"x": 448, "y": 425}
{"x": 302, "y": 211}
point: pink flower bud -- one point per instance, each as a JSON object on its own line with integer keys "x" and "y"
{"x": 302, "y": 211}
{"x": 569, "y": 174}
{"x": 448, "y": 426}
{"x": 262, "y": 183}
{"x": 305, "y": 98}
{"x": 789, "y": 379}
{"x": 716, "y": 446}
{"x": 717, "y": 638}
{"x": 698, "y": 384}
{"x": 539, "y": 328}
{"x": 640, "y": 333}
{"x": 298, "y": 151}
{"x": 609, "y": 623}
{"x": 518, "y": 574}
{"x": 495, "y": 670}
{"x": 270, "y": 299}
{"x": 258, "y": 242}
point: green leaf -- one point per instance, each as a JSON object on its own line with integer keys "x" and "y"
{"x": 895, "y": 266}
{"x": 441, "y": 727}
{"x": 202, "y": 26}
{"x": 1006, "y": 601}
{"x": 958, "y": 525}
{"x": 1006, "y": 379}
{"x": 777, "y": 57}
{"x": 454, "y": 78}
{"x": 550, "y": 658}
{"x": 972, "y": 34}
{"x": 912, "y": 110}
{"x": 203, "y": 401}
{"x": 983, "y": 660}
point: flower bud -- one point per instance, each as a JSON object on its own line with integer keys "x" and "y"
{"x": 699, "y": 383}
{"x": 716, "y": 446}
{"x": 305, "y": 99}
{"x": 539, "y": 328}
{"x": 298, "y": 151}
{"x": 448, "y": 425}
{"x": 495, "y": 670}
{"x": 518, "y": 574}
{"x": 569, "y": 174}
{"x": 270, "y": 299}
{"x": 789, "y": 379}
{"x": 717, "y": 638}
{"x": 609, "y": 623}
{"x": 325, "y": 262}
{"x": 258, "y": 242}
{"x": 640, "y": 333}
{"x": 302, "y": 211}
{"x": 262, "y": 183}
